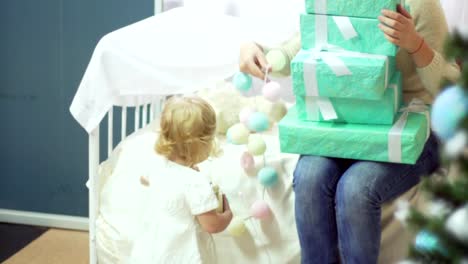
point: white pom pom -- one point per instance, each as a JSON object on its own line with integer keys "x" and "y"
{"x": 457, "y": 225}
{"x": 456, "y": 145}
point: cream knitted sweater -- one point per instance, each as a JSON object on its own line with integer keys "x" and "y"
{"x": 423, "y": 83}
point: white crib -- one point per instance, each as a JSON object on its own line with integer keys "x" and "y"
{"x": 143, "y": 115}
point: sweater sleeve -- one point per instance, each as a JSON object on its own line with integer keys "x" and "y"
{"x": 288, "y": 49}
{"x": 430, "y": 23}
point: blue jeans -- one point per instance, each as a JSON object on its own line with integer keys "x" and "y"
{"x": 338, "y": 203}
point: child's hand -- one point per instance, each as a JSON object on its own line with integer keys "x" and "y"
{"x": 399, "y": 29}
{"x": 213, "y": 222}
{"x": 227, "y": 210}
{"x": 226, "y": 206}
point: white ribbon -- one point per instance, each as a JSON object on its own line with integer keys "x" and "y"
{"x": 395, "y": 96}
{"x": 394, "y": 135}
{"x": 346, "y": 28}
{"x": 316, "y": 105}
{"x": 321, "y": 28}
{"x": 321, "y": 6}
{"x": 331, "y": 56}
{"x": 323, "y": 104}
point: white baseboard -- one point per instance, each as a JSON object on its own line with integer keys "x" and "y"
{"x": 42, "y": 219}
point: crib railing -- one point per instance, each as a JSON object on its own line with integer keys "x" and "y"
{"x": 143, "y": 115}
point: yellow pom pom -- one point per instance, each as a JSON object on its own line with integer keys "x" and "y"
{"x": 239, "y": 134}
{"x": 276, "y": 59}
{"x": 237, "y": 227}
{"x": 256, "y": 145}
{"x": 278, "y": 111}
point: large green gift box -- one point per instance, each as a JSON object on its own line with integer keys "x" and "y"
{"x": 349, "y": 33}
{"x": 357, "y": 111}
{"x": 322, "y": 73}
{"x": 402, "y": 142}
{"x": 362, "y": 8}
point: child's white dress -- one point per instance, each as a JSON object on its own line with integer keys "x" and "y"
{"x": 170, "y": 232}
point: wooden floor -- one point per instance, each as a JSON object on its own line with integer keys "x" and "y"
{"x": 55, "y": 246}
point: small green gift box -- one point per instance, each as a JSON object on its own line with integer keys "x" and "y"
{"x": 362, "y": 8}
{"x": 356, "y": 111}
{"x": 401, "y": 142}
{"x": 349, "y": 33}
{"x": 341, "y": 74}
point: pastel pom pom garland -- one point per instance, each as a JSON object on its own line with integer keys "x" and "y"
{"x": 245, "y": 114}
{"x": 237, "y": 227}
{"x": 247, "y": 161}
{"x": 242, "y": 81}
{"x": 260, "y": 210}
{"x": 268, "y": 176}
{"x": 276, "y": 59}
{"x": 256, "y": 145}
{"x": 272, "y": 91}
{"x": 256, "y": 121}
{"x": 238, "y": 134}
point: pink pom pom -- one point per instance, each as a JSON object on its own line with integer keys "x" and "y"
{"x": 247, "y": 161}
{"x": 271, "y": 91}
{"x": 260, "y": 210}
{"x": 245, "y": 114}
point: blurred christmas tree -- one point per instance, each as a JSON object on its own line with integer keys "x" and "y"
{"x": 442, "y": 228}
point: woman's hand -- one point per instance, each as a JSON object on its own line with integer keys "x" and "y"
{"x": 252, "y": 60}
{"x": 399, "y": 29}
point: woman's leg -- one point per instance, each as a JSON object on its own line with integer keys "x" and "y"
{"x": 360, "y": 193}
{"x": 315, "y": 180}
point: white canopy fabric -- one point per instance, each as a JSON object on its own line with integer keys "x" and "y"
{"x": 175, "y": 52}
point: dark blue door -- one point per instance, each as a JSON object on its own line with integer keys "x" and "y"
{"x": 45, "y": 47}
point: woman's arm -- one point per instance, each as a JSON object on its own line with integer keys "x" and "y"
{"x": 400, "y": 30}
{"x": 422, "y": 37}
{"x": 253, "y": 57}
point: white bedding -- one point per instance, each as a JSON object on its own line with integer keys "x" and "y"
{"x": 268, "y": 241}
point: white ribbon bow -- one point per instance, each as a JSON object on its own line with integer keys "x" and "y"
{"x": 394, "y": 135}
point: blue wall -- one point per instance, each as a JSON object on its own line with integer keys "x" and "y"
{"x": 45, "y": 47}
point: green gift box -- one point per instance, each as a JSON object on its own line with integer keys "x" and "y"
{"x": 349, "y": 33}
{"x": 341, "y": 74}
{"x": 362, "y": 8}
{"x": 356, "y": 111}
{"x": 402, "y": 142}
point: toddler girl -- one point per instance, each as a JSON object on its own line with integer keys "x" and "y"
{"x": 182, "y": 205}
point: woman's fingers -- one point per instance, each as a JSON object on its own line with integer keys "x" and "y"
{"x": 392, "y": 39}
{"x": 262, "y": 62}
{"x": 390, "y": 31}
{"x": 391, "y": 22}
{"x": 395, "y": 16}
{"x": 255, "y": 70}
{"x": 403, "y": 11}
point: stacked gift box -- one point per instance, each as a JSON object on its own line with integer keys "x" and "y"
{"x": 348, "y": 91}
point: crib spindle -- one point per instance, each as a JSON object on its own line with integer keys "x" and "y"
{"x": 124, "y": 123}
{"x": 137, "y": 117}
{"x": 144, "y": 115}
{"x": 110, "y": 131}
{"x": 152, "y": 109}
{"x": 93, "y": 157}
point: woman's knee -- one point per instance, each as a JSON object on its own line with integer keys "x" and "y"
{"x": 315, "y": 174}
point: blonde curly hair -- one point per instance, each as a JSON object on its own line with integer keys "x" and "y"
{"x": 188, "y": 126}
